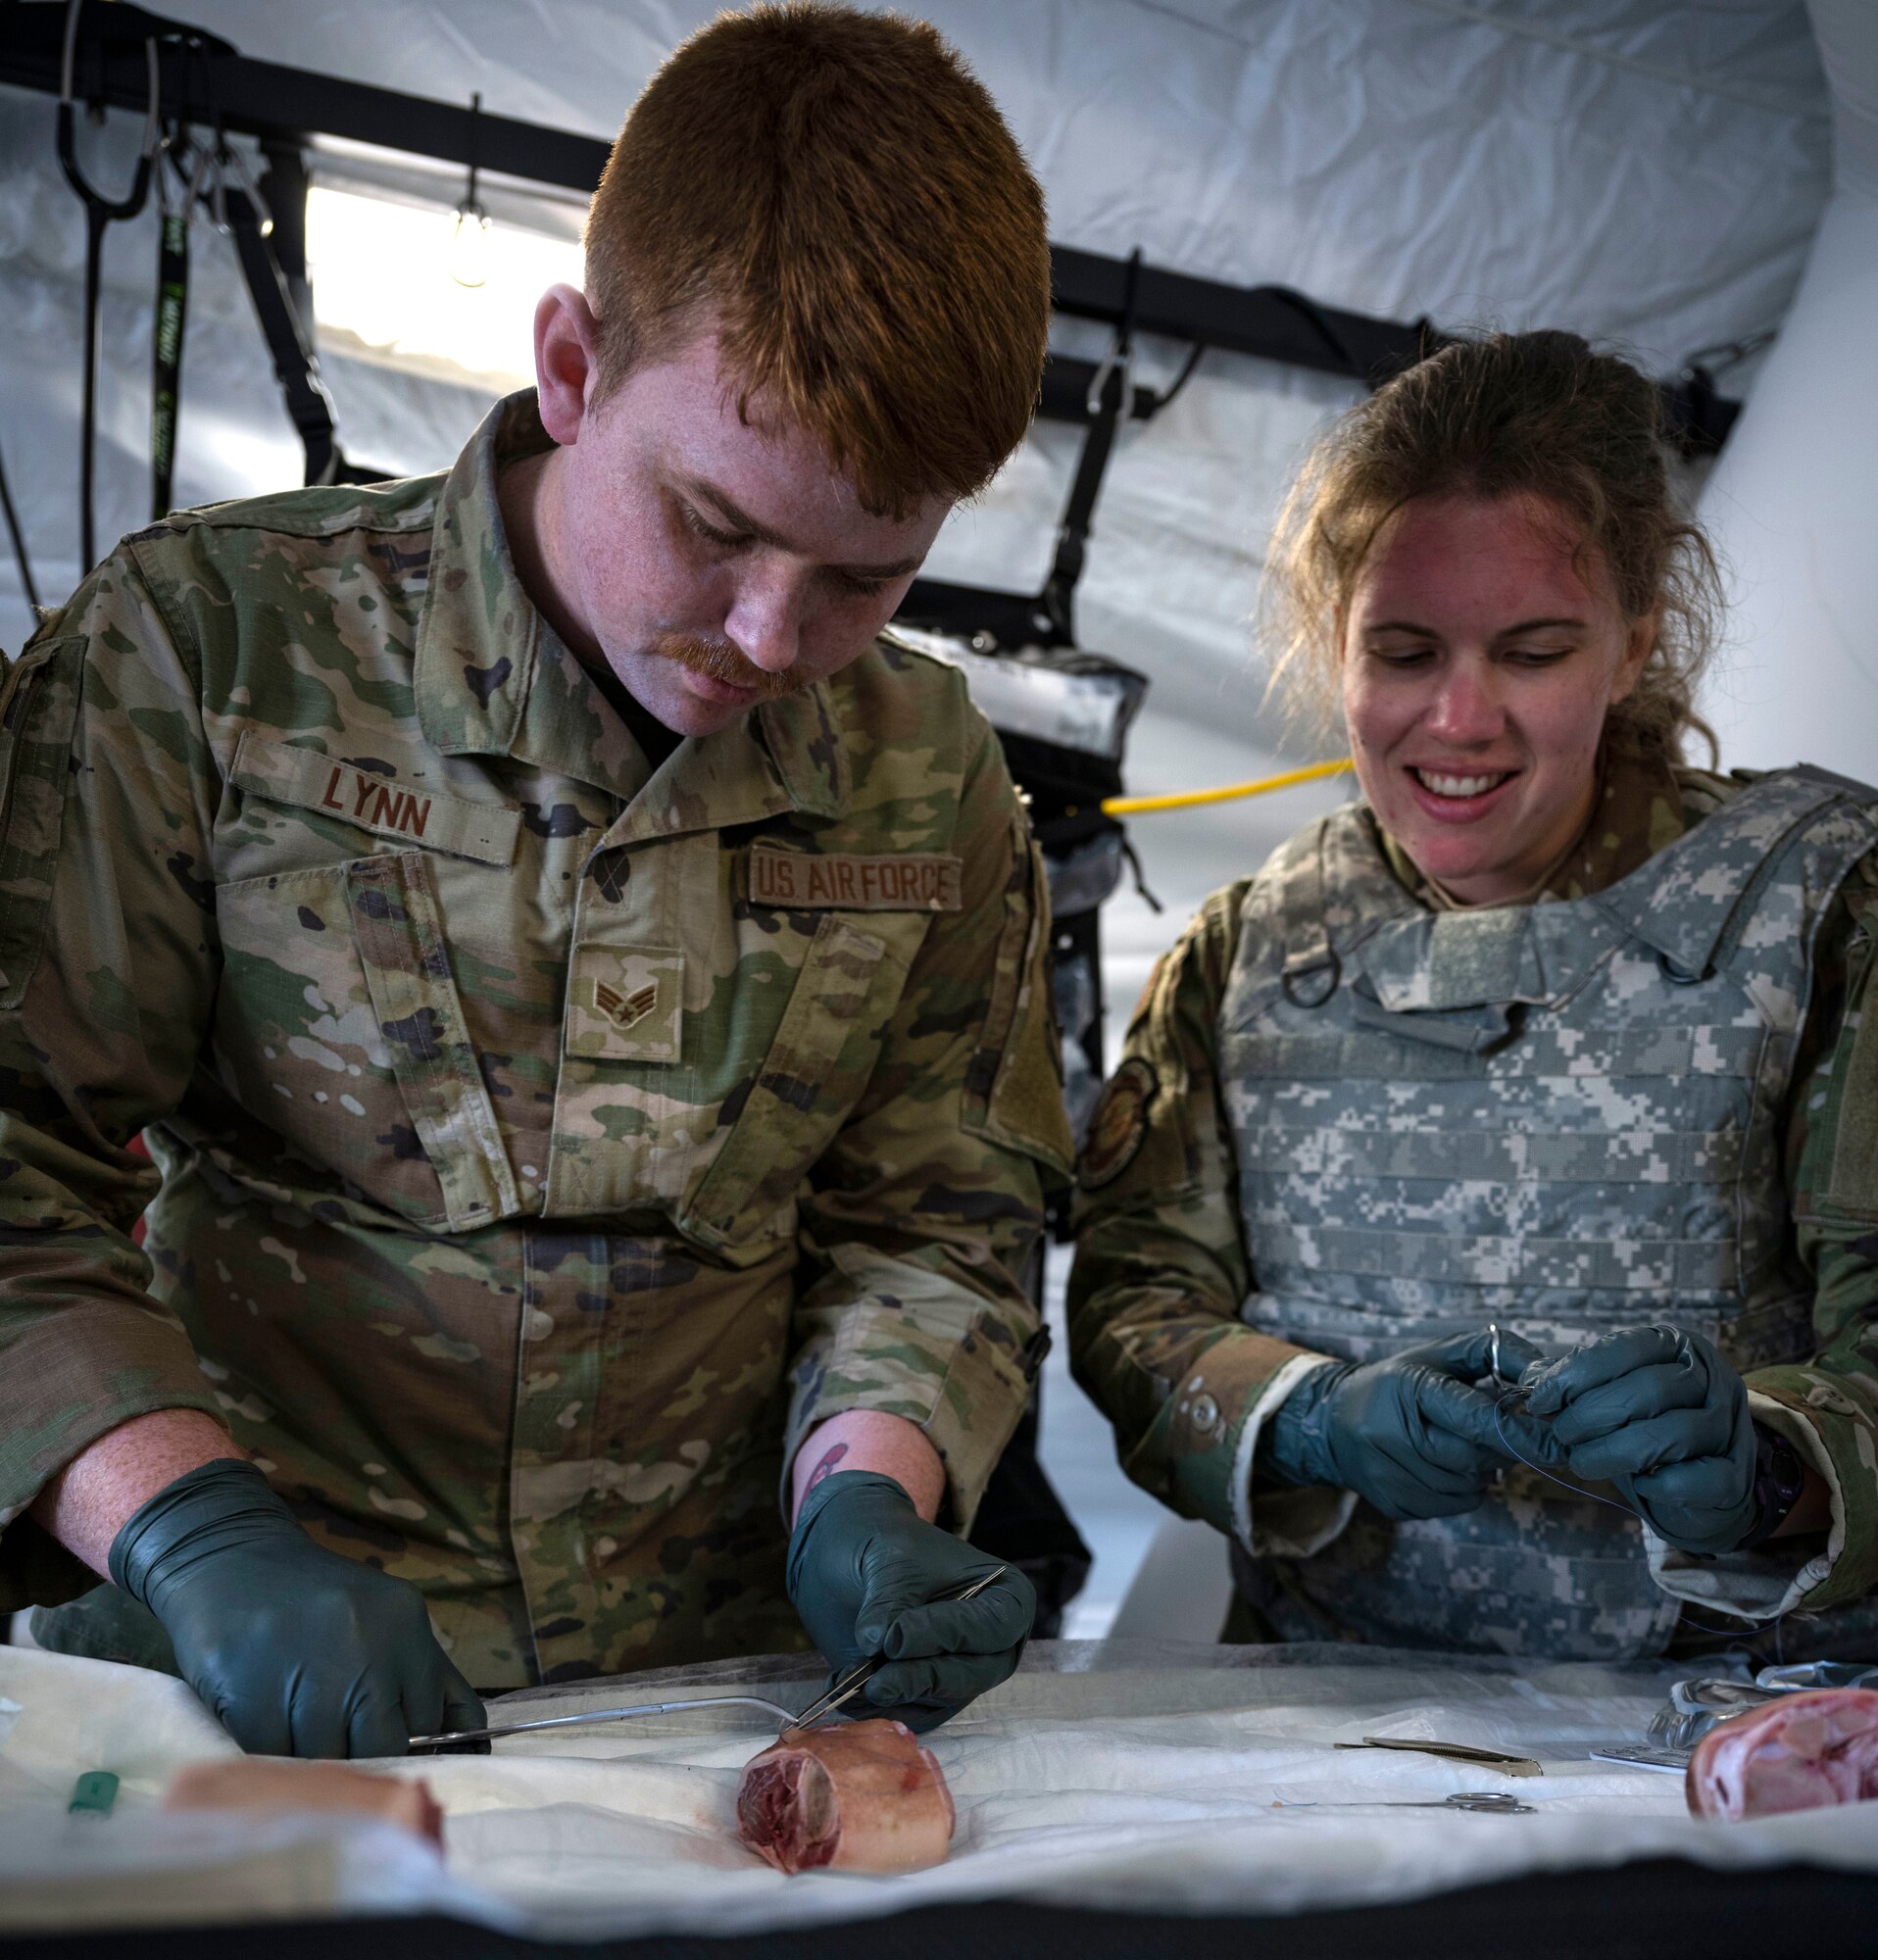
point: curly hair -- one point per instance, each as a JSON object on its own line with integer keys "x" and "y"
{"x": 1514, "y": 414}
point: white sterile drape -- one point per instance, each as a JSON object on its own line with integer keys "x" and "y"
{"x": 1130, "y": 1776}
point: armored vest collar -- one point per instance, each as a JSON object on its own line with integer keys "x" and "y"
{"x": 1349, "y": 911}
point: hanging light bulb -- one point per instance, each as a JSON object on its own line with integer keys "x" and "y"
{"x": 469, "y": 245}
{"x": 468, "y": 259}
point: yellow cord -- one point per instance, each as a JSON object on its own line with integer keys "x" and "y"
{"x": 1187, "y": 798}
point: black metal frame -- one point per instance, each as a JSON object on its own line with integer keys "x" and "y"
{"x": 279, "y": 104}
{"x": 284, "y": 106}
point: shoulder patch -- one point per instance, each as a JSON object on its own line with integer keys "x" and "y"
{"x": 1118, "y": 1125}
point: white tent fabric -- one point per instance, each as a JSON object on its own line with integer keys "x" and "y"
{"x": 1646, "y": 170}
{"x": 1133, "y": 1775}
{"x": 1791, "y": 501}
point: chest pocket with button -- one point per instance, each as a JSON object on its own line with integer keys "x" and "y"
{"x": 812, "y": 1074}
{"x": 339, "y": 1027}
{"x": 712, "y": 1047}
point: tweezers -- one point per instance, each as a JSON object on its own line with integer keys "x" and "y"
{"x": 1495, "y": 1801}
{"x": 857, "y": 1678}
{"x": 427, "y": 1745}
{"x": 1454, "y": 1752}
{"x": 824, "y": 1704}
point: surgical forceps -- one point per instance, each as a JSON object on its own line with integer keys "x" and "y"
{"x": 436, "y": 1745}
{"x": 1495, "y": 1801}
{"x": 824, "y": 1704}
{"x": 857, "y": 1678}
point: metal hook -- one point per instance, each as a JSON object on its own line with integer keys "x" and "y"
{"x": 264, "y": 217}
{"x": 133, "y": 199}
{"x": 1124, "y": 356}
{"x": 100, "y": 213}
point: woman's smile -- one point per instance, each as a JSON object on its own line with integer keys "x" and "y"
{"x": 1481, "y": 653}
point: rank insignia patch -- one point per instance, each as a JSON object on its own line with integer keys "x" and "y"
{"x": 1120, "y": 1122}
{"x": 623, "y": 1009}
{"x": 624, "y": 1003}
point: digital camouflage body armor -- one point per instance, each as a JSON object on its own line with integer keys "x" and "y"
{"x": 1565, "y": 1117}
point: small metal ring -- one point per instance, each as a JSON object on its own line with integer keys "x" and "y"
{"x": 1330, "y": 966}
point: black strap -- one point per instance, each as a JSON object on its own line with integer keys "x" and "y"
{"x": 1109, "y": 401}
{"x": 295, "y": 366}
{"x": 193, "y": 165}
{"x": 99, "y": 211}
{"x": 1858, "y": 791}
{"x": 18, "y": 538}
{"x": 238, "y": 208}
{"x": 166, "y": 369}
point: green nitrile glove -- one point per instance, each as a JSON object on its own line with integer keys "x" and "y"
{"x": 1658, "y": 1413}
{"x": 863, "y": 1566}
{"x": 295, "y": 1651}
{"x": 1411, "y": 1436}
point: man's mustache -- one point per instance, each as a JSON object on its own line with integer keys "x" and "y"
{"x": 718, "y": 661}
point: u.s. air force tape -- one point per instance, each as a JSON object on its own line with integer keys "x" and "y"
{"x": 895, "y": 881}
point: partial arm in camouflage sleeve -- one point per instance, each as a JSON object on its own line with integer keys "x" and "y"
{"x": 1828, "y": 1409}
{"x": 108, "y": 961}
{"x": 1162, "y": 1271}
{"x": 924, "y": 1216}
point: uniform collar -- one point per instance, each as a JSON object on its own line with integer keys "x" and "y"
{"x": 783, "y": 756}
{"x": 493, "y": 678}
{"x": 480, "y": 636}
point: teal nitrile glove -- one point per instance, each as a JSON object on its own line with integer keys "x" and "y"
{"x": 863, "y": 1566}
{"x": 295, "y": 1651}
{"x": 1658, "y": 1413}
{"x": 1411, "y": 1436}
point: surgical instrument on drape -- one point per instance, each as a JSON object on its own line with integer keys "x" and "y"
{"x": 425, "y": 1744}
{"x": 1497, "y": 1802}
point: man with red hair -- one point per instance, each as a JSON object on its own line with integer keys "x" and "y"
{"x": 584, "y": 987}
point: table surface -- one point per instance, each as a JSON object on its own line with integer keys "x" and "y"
{"x": 1110, "y": 1799}
{"x": 1655, "y": 1910}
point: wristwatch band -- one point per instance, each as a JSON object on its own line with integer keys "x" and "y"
{"x": 1779, "y": 1479}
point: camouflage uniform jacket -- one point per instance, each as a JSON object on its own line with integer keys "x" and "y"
{"x": 1247, "y": 1211}
{"x": 546, "y": 1140}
